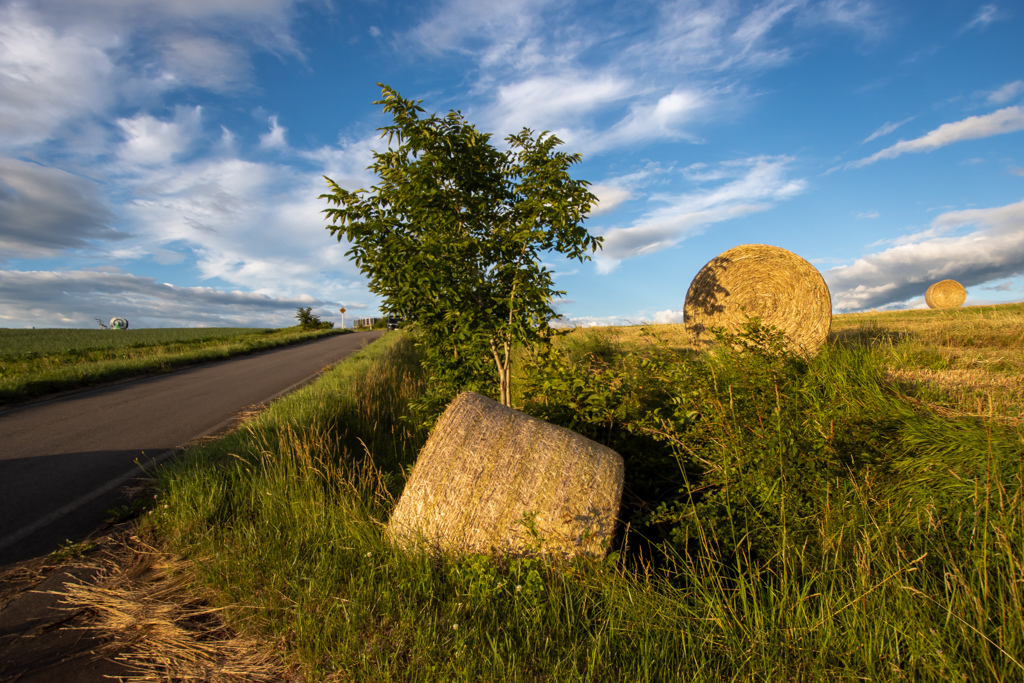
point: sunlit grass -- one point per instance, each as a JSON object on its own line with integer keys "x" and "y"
{"x": 910, "y": 566}
{"x": 969, "y": 360}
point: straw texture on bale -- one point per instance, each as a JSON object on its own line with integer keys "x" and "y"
{"x": 760, "y": 281}
{"x": 493, "y": 480}
{"x": 945, "y": 294}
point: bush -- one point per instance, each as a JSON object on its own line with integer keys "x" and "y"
{"x": 742, "y": 455}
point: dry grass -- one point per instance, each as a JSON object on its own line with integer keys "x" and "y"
{"x": 967, "y": 360}
{"x": 638, "y": 336}
{"x": 159, "y": 625}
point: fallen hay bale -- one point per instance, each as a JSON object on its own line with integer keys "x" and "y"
{"x": 760, "y": 281}
{"x": 493, "y": 480}
{"x": 945, "y": 294}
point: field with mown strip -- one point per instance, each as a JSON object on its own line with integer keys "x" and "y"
{"x": 35, "y": 363}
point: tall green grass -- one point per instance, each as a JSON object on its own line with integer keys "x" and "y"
{"x": 39, "y": 362}
{"x": 783, "y": 521}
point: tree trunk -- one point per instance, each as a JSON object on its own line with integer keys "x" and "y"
{"x": 504, "y": 378}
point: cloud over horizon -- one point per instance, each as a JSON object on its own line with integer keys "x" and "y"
{"x": 77, "y": 298}
{"x": 991, "y": 248}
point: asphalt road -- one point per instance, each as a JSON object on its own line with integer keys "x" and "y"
{"x": 63, "y": 460}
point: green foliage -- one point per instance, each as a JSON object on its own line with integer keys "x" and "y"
{"x": 453, "y": 236}
{"x": 737, "y": 453}
{"x": 309, "y": 321}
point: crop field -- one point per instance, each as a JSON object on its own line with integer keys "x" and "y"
{"x": 38, "y": 362}
{"x": 19, "y": 343}
{"x": 852, "y": 516}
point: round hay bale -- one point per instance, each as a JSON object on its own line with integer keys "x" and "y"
{"x": 945, "y": 294}
{"x": 760, "y": 281}
{"x": 493, "y": 480}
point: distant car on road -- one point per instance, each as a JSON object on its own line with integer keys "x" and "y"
{"x": 393, "y": 322}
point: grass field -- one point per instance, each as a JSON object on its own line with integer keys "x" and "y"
{"x": 782, "y": 520}
{"x": 16, "y": 344}
{"x": 39, "y": 362}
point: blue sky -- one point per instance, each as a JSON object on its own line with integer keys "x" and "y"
{"x": 161, "y": 160}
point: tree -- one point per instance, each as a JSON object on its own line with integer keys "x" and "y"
{"x": 310, "y": 321}
{"x": 453, "y": 235}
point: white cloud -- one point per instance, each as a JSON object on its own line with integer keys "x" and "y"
{"x": 255, "y": 225}
{"x": 274, "y": 139}
{"x": 1008, "y": 120}
{"x": 670, "y": 316}
{"x": 49, "y": 78}
{"x": 677, "y": 71}
{"x": 756, "y": 184}
{"x": 885, "y": 129}
{"x": 992, "y": 250}
{"x": 858, "y": 16}
{"x": 263, "y": 21}
{"x": 661, "y": 120}
{"x": 614, "y": 191}
{"x": 207, "y": 62}
{"x": 1007, "y": 93}
{"x": 594, "y": 321}
{"x": 713, "y": 36}
{"x": 68, "y": 61}
{"x": 457, "y": 24}
{"x": 150, "y": 141}
{"x": 985, "y": 16}
{"x": 608, "y": 197}
{"x": 76, "y": 298}
{"x": 868, "y": 214}
{"x": 717, "y": 35}
{"x": 548, "y": 102}
{"x": 44, "y": 211}
{"x": 666, "y": 317}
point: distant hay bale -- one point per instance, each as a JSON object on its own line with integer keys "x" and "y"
{"x": 762, "y": 281}
{"x": 945, "y": 294}
{"x": 493, "y": 480}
